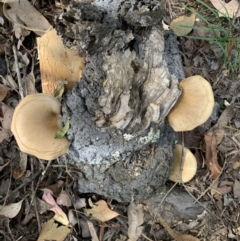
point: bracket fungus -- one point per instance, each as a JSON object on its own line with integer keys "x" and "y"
{"x": 194, "y": 106}
{"x": 183, "y": 171}
{"x": 57, "y": 62}
{"x": 35, "y": 121}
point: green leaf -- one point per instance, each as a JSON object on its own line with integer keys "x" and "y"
{"x": 62, "y": 132}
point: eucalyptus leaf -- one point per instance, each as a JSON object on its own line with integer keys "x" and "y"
{"x": 183, "y": 25}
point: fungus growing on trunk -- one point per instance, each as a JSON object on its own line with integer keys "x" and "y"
{"x": 194, "y": 106}
{"x": 183, "y": 171}
{"x": 57, "y": 63}
{"x": 35, "y": 121}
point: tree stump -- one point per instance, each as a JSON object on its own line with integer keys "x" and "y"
{"x": 120, "y": 140}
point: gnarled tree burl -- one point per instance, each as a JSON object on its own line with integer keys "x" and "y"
{"x": 119, "y": 136}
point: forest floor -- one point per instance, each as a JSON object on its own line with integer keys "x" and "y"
{"x": 27, "y": 187}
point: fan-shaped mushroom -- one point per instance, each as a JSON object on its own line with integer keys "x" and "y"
{"x": 35, "y": 122}
{"x": 183, "y": 171}
{"x": 195, "y": 105}
{"x": 57, "y": 62}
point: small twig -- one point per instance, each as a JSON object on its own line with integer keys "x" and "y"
{"x": 230, "y": 153}
{"x": 6, "y": 79}
{"x": 101, "y": 232}
{"x": 27, "y": 219}
{"x": 40, "y": 180}
{"x": 159, "y": 205}
{"x": 168, "y": 192}
{"x": 235, "y": 141}
{"x": 147, "y": 238}
{"x": 231, "y": 128}
{"x": 185, "y": 187}
{"x": 170, "y": 8}
{"x": 5, "y": 235}
{"x": 34, "y": 201}
{"x": 44, "y": 172}
{"x": 22, "y": 185}
{"x": 18, "y": 72}
{"x": 9, "y": 230}
{"x": 19, "y": 238}
{"x": 197, "y": 199}
{"x": 9, "y": 185}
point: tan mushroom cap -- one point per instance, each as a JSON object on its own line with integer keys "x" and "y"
{"x": 34, "y": 124}
{"x": 195, "y": 105}
{"x": 57, "y": 62}
{"x": 189, "y": 166}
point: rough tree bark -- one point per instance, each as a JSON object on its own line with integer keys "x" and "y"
{"x": 119, "y": 137}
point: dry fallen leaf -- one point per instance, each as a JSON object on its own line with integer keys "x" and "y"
{"x": 86, "y": 234}
{"x": 176, "y": 236}
{"x": 183, "y": 25}
{"x": 51, "y": 231}
{"x": 23, "y": 62}
{"x": 30, "y": 81}
{"x": 11, "y": 210}
{"x": 236, "y": 165}
{"x": 236, "y": 189}
{"x": 5, "y": 121}
{"x": 64, "y": 199}
{"x": 8, "y": 79}
{"x": 227, "y": 9}
{"x": 3, "y": 91}
{"x": 60, "y": 216}
{"x": 221, "y": 188}
{"x": 101, "y": 211}
{"x": 80, "y": 203}
{"x": 219, "y": 134}
{"x": 226, "y": 116}
{"x": 1, "y": 167}
{"x": 19, "y": 31}
{"x": 5, "y": 116}
{"x": 4, "y": 184}
{"x": 20, "y": 169}
{"x": 23, "y": 161}
{"x": 72, "y": 217}
{"x": 42, "y": 206}
{"x": 211, "y": 154}
{"x": 55, "y": 189}
{"x": 34, "y": 20}
{"x": 57, "y": 62}
{"x": 135, "y": 221}
{"x": 4, "y": 134}
{"x": 17, "y": 173}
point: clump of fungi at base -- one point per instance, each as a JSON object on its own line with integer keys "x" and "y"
{"x": 37, "y": 118}
{"x": 192, "y": 109}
